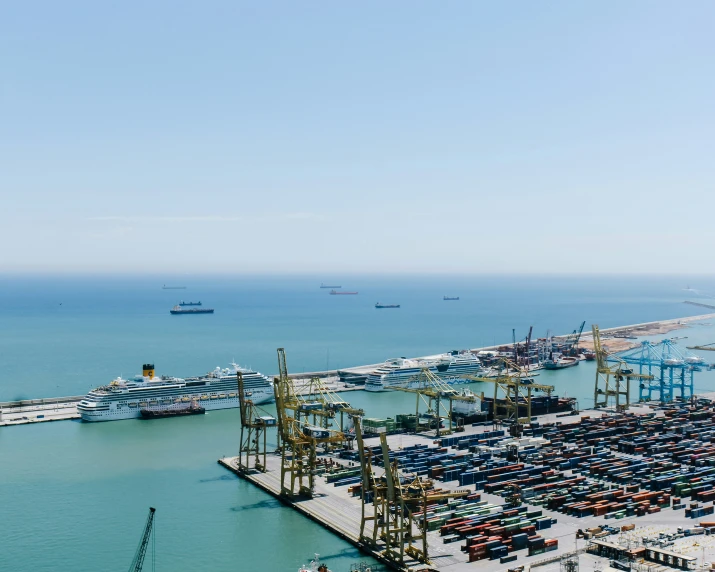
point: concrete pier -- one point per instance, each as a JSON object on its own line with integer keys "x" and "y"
{"x": 38, "y": 410}
{"x": 339, "y": 512}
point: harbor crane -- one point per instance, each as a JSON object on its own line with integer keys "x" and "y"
{"x": 253, "y": 432}
{"x": 138, "y": 562}
{"x": 432, "y": 391}
{"x": 610, "y": 378}
{"x": 516, "y": 385}
{"x": 392, "y": 503}
{"x": 300, "y": 439}
{"x": 572, "y": 340}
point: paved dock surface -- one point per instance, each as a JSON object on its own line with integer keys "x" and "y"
{"x": 38, "y": 411}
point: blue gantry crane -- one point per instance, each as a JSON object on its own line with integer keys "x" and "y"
{"x": 672, "y": 370}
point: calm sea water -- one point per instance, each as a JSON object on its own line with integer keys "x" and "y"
{"x": 75, "y": 496}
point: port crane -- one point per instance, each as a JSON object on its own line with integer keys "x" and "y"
{"x": 517, "y": 387}
{"x": 610, "y": 378}
{"x": 253, "y": 431}
{"x": 572, "y": 340}
{"x": 299, "y": 438}
{"x": 391, "y": 507}
{"x": 138, "y": 562}
{"x": 432, "y": 391}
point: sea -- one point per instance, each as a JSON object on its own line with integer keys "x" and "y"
{"x": 75, "y": 496}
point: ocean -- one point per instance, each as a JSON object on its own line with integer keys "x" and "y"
{"x": 76, "y": 495}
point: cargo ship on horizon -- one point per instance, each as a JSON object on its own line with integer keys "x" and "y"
{"x": 180, "y": 309}
{"x": 336, "y": 293}
{"x": 326, "y": 286}
{"x": 380, "y": 306}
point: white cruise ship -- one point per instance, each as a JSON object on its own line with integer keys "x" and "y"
{"x": 402, "y": 372}
{"x": 124, "y": 398}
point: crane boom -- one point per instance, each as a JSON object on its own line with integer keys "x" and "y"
{"x": 138, "y": 562}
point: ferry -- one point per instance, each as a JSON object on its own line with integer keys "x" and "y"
{"x": 403, "y": 372}
{"x": 218, "y": 389}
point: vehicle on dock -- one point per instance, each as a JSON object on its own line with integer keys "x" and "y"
{"x": 218, "y": 389}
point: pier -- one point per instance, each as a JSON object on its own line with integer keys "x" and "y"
{"x": 339, "y": 511}
{"x": 63, "y": 408}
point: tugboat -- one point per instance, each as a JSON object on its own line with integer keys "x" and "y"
{"x": 378, "y": 305}
{"x": 192, "y": 408}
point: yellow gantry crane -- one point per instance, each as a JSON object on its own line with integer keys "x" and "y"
{"x": 335, "y": 409}
{"x": 253, "y": 431}
{"x": 433, "y": 391}
{"x": 391, "y": 507}
{"x": 299, "y": 438}
{"x": 517, "y": 386}
{"x": 610, "y": 378}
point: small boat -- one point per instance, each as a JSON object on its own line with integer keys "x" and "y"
{"x": 379, "y": 306}
{"x": 561, "y": 362}
{"x": 185, "y": 399}
{"x": 142, "y": 404}
{"x": 222, "y": 396}
{"x": 204, "y": 398}
{"x": 175, "y": 411}
{"x": 232, "y": 395}
{"x": 326, "y": 286}
{"x": 133, "y": 404}
{"x": 214, "y": 397}
{"x": 336, "y": 293}
{"x": 450, "y": 298}
{"x": 589, "y": 355}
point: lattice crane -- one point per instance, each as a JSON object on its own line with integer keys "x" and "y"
{"x": 253, "y": 431}
{"x": 433, "y": 391}
{"x": 299, "y": 438}
{"x": 138, "y": 562}
{"x": 610, "y": 378}
{"x": 517, "y": 386}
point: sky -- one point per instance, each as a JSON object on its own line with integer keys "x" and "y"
{"x": 344, "y": 137}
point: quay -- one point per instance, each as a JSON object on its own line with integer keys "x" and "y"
{"x": 39, "y": 410}
{"x": 589, "y": 478}
{"x": 64, "y": 408}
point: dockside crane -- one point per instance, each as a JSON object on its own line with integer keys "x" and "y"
{"x": 517, "y": 386}
{"x": 392, "y": 509}
{"x": 573, "y": 339}
{"x": 434, "y": 392}
{"x": 299, "y": 438}
{"x": 610, "y": 378}
{"x": 138, "y": 562}
{"x": 253, "y": 431}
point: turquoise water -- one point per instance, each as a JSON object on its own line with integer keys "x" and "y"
{"x": 75, "y": 496}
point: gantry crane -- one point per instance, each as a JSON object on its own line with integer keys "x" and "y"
{"x": 391, "y": 507}
{"x": 138, "y": 562}
{"x": 517, "y": 386}
{"x": 609, "y": 379}
{"x": 573, "y": 339}
{"x": 433, "y": 391}
{"x": 333, "y": 406}
{"x": 299, "y": 438}
{"x": 253, "y": 431}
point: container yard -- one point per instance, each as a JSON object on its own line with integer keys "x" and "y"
{"x": 621, "y": 487}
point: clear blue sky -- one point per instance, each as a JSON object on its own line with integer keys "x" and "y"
{"x": 337, "y": 137}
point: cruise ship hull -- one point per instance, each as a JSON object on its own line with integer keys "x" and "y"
{"x": 450, "y": 374}
{"x": 111, "y": 412}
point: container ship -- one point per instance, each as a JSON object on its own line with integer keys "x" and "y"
{"x": 175, "y": 410}
{"x": 402, "y": 372}
{"x": 218, "y": 389}
{"x": 179, "y": 309}
{"x": 336, "y": 293}
{"x": 379, "y": 306}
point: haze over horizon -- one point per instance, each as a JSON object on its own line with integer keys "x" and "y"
{"x": 334, "y": 138}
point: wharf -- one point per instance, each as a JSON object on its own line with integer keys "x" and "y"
{"x": 336, "y": 510}
{"x": 39, "y": 410}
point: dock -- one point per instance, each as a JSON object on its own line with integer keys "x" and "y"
{"x": 334, "y": 508}
{"x": 39, "y": 410}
